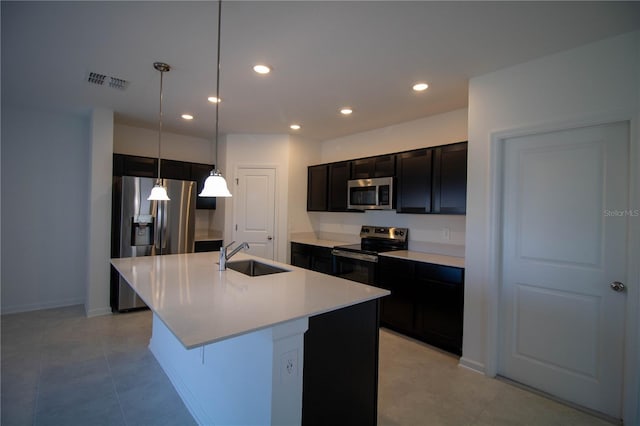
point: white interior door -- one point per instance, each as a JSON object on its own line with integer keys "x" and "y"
{"x": 562, "y": 325}
{"x": 254, "y": 210}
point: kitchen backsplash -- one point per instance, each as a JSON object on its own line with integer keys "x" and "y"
{"x": 440, "y": 234}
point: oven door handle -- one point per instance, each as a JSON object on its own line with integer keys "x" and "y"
{"x": 353, "y": 255}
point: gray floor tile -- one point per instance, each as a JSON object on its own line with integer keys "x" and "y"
{"x": 61, "y": 368}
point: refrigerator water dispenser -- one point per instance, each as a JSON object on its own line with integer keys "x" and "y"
{"x": 142, "y": 230}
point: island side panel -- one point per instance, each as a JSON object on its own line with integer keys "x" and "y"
{"x": 242, "y": 380}
{"x": 340, "y": 380}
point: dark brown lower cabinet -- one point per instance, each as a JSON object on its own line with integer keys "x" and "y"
{"x": 340, "y": 379}
{"x": 426, "y": 301}
{"x": 207, "y": 245}
{"x": 315, "y": 258}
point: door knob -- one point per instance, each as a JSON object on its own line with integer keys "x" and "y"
{"x": 269, "y": 237}
{"x": 617, "y": 286}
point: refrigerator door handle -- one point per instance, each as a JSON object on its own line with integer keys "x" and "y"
{"x": 161, "y": 237}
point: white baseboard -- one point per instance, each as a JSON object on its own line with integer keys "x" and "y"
{"x": 98, "y": 312}
{"x": 471, "y": 365}
{"x": 28, "y": 307}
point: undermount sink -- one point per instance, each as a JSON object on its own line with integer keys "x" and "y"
{"x": 253, "y": 268}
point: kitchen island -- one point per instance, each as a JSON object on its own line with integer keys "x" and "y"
{"x": 237, "y": 350}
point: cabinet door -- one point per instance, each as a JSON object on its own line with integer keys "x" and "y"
{"x": 317, "y": 181}
{"x": 373, "y": 167}
{"x": 322, "y": 260}
{"x": 414, "y": 181}
{"x": 397, "y": 276}
{"x": 301, "y": 255}
{"x": 384, "y": 165}
{"x": 171, "y": 169}
{"x": 450, "y": 179}
{"x": 339, "y": 174}
{"x": 340, "y": 367}
{"x": 139, "y": 166}
{"x": 199, "y": 173}
{"x": 440, "y": 306}
{"x": 362, "y": 168}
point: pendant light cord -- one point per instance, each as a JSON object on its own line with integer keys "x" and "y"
{"x": 160, "y": 125}
{"x": 215, "y": 167}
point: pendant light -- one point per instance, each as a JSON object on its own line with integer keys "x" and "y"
{"x": 215, "y": 185}
{"x": 159, "y": 192}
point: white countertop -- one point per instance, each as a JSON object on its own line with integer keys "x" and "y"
{"x": 438, "y": 259}
{"x": 202, "y": 305}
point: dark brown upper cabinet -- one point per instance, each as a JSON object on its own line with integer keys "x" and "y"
{"x": 373, "y": 167}
{"x": 450, "y": 179}
{"x": 133, "y": 165}
{"x": 171, "y": 169}
{"x": 339, "y": 174}
{"x": 414, "y": 181}
{"x": 317, "y": 186}
{"x": 428, "y": 180}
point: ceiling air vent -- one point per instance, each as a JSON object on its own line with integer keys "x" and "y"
{"x": 101, "y": 79}
{"x": 96, "y": 78}
{"x": 118, "y": 83}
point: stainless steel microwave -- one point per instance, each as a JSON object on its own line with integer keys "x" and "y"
{"x": 370, "y": 194}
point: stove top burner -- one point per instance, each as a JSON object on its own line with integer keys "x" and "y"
{"x": 378, "y": 239}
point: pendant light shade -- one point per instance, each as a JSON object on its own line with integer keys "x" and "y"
{"x": 215, "y": 185}
{"x": 159, "y": 192}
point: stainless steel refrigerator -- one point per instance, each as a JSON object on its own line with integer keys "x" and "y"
{"x": 148, "y": 228}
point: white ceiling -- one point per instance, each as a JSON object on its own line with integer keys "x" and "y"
{"x": 327, "y": 54}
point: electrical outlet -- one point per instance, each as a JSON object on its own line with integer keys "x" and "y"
{"x": 446, "y": 234}
{"x": 289, "y": 366}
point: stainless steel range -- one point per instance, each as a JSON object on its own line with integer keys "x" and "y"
{"x": 358, "y": 262}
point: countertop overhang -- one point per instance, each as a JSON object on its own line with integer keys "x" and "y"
{"x": 202, "y": 305}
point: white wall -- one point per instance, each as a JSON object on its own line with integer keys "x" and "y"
{"x": 439, "y": 129}
{"x": 425, "y": 231}
{"x": 253, "y": 151}
{"x": 302, "y": 153}
{"x": 595, "y": 82}
{"x": 98, "y": 235}
{"x": 45, "y": 169}
{"x": 144, "y": 142}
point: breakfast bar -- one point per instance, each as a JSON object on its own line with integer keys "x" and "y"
{"x": 241, "y": 349}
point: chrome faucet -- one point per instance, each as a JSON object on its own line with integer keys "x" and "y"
{"x": 224, "y": 257}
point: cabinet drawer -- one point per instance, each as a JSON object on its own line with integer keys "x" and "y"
{"x": 442, "y": 273}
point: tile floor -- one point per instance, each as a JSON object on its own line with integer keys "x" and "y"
{"x": 60, "y": 368}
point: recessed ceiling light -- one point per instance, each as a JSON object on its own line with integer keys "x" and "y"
{"x": 187, "y": 116}
{"x": 419, "y": 87}
{"x": 213, "y": 99}
{"x": 346, "y": 111}
{"x": 261, "y": 69}
{"x": 295, "y": 127}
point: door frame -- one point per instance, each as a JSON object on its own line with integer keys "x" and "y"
{"x": 631, "y": 371}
